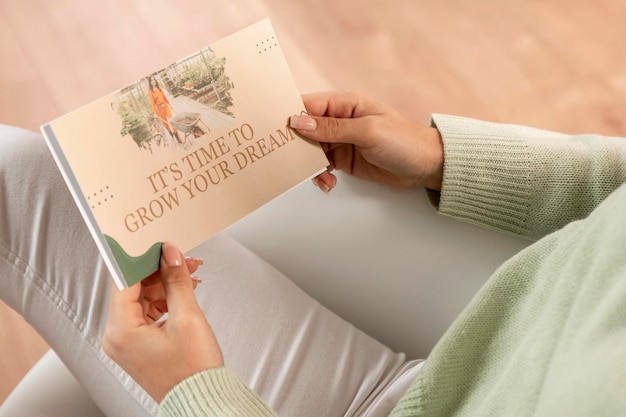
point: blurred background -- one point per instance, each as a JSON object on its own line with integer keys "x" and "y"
{"x": 553, "y": 64}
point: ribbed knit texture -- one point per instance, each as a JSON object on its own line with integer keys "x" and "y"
{"x": 546, "y": 336}
{"x": 524, "y": 181}
{"x": 214, "y": 392}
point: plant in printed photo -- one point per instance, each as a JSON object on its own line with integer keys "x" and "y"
{"x": 177, "y": 104}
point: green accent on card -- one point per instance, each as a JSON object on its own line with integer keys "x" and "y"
{"x": 135, "y": 268}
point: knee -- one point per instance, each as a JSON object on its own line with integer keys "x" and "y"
{"x": 25, "y": 161}
{"x": 29, "y": 177}
{"x": 18, "y": 146}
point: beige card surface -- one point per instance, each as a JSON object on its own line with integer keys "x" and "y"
{"x": 185, "y": 151}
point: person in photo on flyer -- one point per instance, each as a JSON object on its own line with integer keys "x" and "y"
{"x": 161, "y": 107}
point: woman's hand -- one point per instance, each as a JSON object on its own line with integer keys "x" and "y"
{"x": 160, "y": 354}
{"x": 371, "y": 141}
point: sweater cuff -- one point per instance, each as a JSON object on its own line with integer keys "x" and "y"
{"x": 213, "y": 392}
{"x": 486, "y": 174}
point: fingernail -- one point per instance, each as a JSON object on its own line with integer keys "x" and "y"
{"x": 199, "y": 261}
{"x": 303, "y": 123}
{"x": 321, "y": 185}
{"x": 334, "y": 180}
{"x": 171, "y": 255}
{"x": 196, "y": 279}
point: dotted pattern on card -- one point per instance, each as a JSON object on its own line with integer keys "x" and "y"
{"x": 267, "y": 45}
{"x": 99, "y": 197}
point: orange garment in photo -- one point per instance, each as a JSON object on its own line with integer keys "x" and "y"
{"x": 160, "y": 106}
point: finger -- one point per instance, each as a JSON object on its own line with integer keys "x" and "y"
{"x": 155, "y": 310}
{"x": 156, "y": 292}
{"x": 196, "y": 281}
{"x": 325, "y": 181}
{"x": 192, "y": 264}
{"x": 154, "y": 302}
{"x": 354, "y": 131}
{"x": 317, "y": 104}
{"x": 177, "y": 282}
{"x": 340, "y": 104}
{"x": 326, "y": 113}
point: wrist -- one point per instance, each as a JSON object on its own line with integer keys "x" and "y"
{"x": 434, "y": 174}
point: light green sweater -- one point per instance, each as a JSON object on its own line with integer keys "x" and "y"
{"x": 546, "y": 336}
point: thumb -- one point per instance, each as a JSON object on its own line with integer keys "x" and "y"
{"x": 330, "y": 129}
{"x": 176, "y": 281}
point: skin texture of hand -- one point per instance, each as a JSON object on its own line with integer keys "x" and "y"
{"x": 160, "y": 354}
{"x": 371, "y": 141}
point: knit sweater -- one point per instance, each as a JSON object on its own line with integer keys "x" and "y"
{"x": 546, "y": 335}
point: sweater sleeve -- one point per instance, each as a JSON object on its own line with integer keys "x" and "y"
{"x": 214, "y": 392}
{"x": 524, "y": 181}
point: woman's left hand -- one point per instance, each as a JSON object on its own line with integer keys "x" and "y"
{"x": 160, "y": 354}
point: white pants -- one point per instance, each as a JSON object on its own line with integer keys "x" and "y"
{"x": 299, "y": 357}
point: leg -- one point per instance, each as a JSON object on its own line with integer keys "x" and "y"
{"x": 302, "y": 359}
{"x": 52, "y": 274}
{"x": 49, "y": 390}
{"x": 298, "y": 356}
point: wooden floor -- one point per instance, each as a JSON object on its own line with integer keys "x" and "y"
{"x": 556, "y": 64}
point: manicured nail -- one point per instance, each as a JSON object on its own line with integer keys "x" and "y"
{"x": 199, "y": 261}
{"x": 196, "y": 280}
{"x": 333, "y": 181}
{"x": 306, "y": 123}
{"x": 321, "y": 185}
{"x": 171, "y": 255}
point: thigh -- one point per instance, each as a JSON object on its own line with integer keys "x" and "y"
{"x": 52, "y": 274}
{"x": 301, "y": 358}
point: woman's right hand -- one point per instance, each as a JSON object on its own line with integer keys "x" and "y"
{"x": 371, "y": 141}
